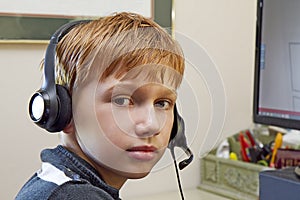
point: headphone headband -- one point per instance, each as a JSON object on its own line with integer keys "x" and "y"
{"x": 49, "y": 65}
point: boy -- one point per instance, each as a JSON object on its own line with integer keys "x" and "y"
{"x": 122, "y": 72}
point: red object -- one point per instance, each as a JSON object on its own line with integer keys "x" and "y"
{"x": 244, "y": 147}
{"x": 250, "y": 136}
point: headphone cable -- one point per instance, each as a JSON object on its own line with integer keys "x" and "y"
{"x": 177, "y": 175}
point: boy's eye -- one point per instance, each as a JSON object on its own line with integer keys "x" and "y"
{"x": 122, "y": 101}
{"x": 163, "y": 104}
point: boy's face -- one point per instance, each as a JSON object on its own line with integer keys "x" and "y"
{"x": 124, "y": 126}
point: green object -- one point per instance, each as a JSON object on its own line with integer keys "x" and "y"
{"x": 163, "y": 13}
{"x": 231, "y": 178}
{"x": 23, "y": 27}
{"x": 234, "y": 146}
{"x": 262, "y": 162}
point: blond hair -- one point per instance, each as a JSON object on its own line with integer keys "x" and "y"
{"x": 112, "y": 46}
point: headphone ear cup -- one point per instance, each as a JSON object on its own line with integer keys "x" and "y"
{"x": 176, "y": 123}
{"x": 64, "y": 113}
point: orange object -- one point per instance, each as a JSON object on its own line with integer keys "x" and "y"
{"x": 277, "y": 145}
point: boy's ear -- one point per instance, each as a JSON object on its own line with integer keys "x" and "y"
{"x": 69, "y": 128}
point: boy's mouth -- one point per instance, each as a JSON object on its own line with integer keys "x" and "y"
{"x": 142, "y": 153}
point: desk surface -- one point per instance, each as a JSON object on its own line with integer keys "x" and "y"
{"x": 193, "y": 194}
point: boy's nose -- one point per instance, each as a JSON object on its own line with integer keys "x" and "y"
{"x": 147, "y": 121}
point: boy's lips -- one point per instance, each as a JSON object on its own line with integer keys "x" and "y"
{"x": 143, "y": 153}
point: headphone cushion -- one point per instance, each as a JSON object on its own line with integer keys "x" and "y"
{"x": 64, "y": 114}
{"x": 175, "y": 127}
{"x": 177, "y": 122}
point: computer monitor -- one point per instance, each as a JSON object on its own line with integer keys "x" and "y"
{"x": 277, "y": 64}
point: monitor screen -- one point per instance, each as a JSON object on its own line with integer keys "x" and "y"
{"x": 277, "y": 64}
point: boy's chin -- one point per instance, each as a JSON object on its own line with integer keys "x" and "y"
{"x": 137, "y": 175}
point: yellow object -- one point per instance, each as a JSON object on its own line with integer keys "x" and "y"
{"x": 233, "y": 156}
{"x": 277, "y": 145}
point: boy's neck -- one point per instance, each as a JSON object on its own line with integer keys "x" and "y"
{"x": 108, "y": 176}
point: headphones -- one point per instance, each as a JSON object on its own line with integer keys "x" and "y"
{"x": 51, "y": 106}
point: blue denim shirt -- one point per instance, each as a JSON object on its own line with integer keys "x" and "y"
{"x": 64, "y": 175}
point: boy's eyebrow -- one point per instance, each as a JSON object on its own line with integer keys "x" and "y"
{"x": 130, "y": 88}
{"x": 108, "y": 92}
{"x": 120, "y": 87}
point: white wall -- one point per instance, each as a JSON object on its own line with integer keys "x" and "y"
{"x": 21, "y": 141}
{"x": 224, "y": 28}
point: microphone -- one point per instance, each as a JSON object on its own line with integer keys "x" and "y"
{"x": 187, "y": 161}
{"x": 180, "y": 141}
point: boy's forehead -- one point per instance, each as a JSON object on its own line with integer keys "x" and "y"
{"x": 153, "y": 74}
